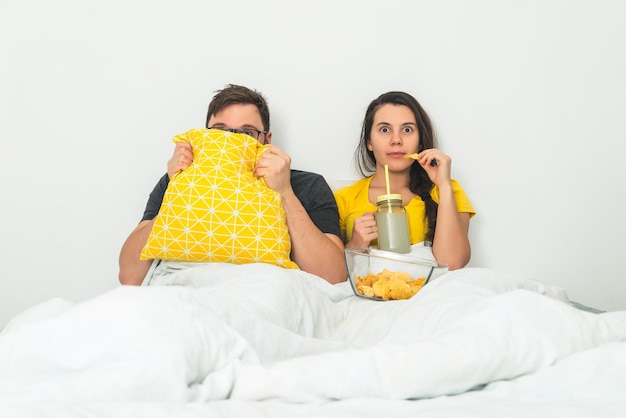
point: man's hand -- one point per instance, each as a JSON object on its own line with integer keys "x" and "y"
{"x": 181, "y": 159}
{"x": 274, "y": 167}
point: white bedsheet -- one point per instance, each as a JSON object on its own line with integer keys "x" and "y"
{"x": 235, "y": 336}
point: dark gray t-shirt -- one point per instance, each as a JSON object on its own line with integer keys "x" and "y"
{"x": 310, "y": 188}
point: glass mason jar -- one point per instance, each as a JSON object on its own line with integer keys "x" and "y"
{"x": 392, "y": 223}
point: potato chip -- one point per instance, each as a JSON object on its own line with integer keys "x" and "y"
{"x": 388, "y": 285}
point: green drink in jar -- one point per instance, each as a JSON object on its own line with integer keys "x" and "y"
{"x": 392, "y": 223}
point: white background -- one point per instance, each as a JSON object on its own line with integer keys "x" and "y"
{"x": 528, "y": 98}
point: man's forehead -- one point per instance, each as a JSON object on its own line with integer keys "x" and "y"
{"x": 237, "y": 115}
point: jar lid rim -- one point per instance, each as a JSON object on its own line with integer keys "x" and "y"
{"x": 384, "y": 197}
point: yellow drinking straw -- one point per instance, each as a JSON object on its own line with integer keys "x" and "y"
{"x": 387, "y": 178}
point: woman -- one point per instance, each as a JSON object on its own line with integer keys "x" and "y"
{"x": 438, "y": 209}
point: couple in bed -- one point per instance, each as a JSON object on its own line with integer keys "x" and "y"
{"x": 320, "y": 225}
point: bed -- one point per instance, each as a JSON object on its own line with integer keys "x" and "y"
{"x": 257, "y": 340}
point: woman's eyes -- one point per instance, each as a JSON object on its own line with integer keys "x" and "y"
{"x": 405, "y": 130}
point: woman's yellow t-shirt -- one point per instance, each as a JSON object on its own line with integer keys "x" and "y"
{"x": 353, "y": 201}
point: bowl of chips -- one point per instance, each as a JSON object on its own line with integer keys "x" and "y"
{"x": 383, "y": 275}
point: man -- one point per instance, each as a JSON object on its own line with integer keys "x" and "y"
{"x": 309, "y": 205}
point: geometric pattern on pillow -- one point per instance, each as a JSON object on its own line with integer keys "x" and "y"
{"x": 217, "y": 210}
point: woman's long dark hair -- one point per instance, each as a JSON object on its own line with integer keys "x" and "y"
{"x": 419, "y": 183}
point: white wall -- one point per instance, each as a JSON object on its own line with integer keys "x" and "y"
{"x": 528, "y": 97}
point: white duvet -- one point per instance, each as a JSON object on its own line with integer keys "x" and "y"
{"x": 257, "y": 332}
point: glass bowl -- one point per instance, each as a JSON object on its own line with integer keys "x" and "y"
{"x": 383, "y": 275}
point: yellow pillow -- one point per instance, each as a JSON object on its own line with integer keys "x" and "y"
{"x": 217, "y": 210}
